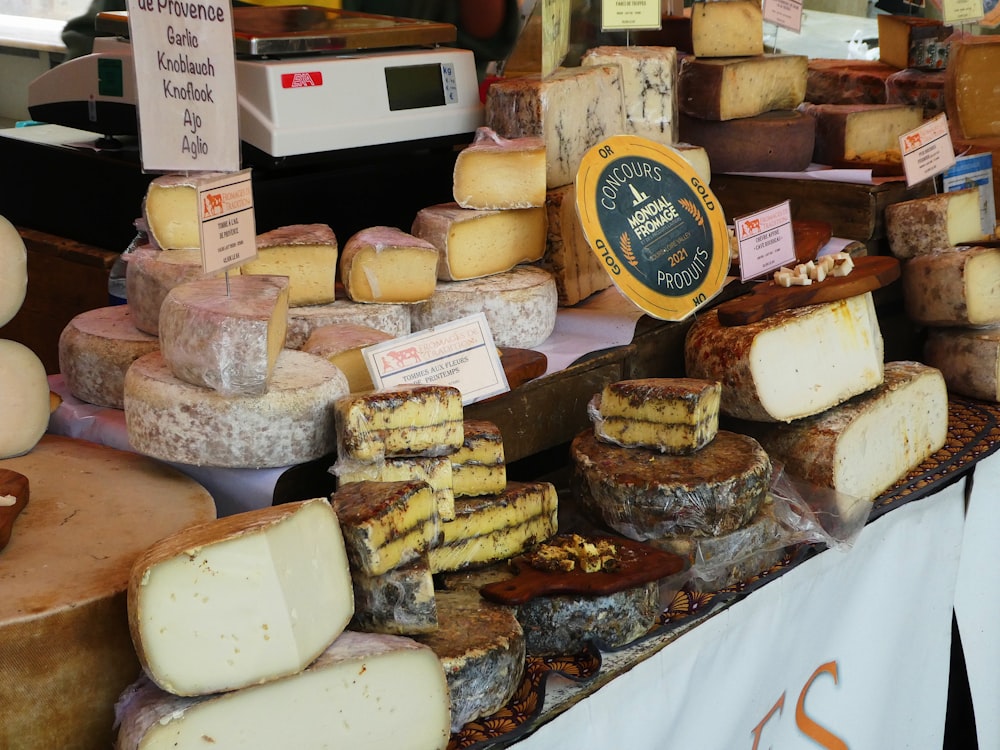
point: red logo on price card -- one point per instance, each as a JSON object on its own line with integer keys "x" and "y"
{"x": 301, "y": 80}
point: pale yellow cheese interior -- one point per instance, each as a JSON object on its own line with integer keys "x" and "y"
{"x": 975, "y": 71}
{"x": 494, "y": 243}
{"x": 982, "y": 288}
{"x": 311, "y": 271}
{"x": 172, "y": 215}
{"x": 492, "y": 546}
{"x": 873, "y": 135}
{"x": 397, "y": 274}
{"x": 470, "y": 480}
{"x": 727, "y": 29}
{"x": 964, "y": 223}
{"x": 508, "y": 177}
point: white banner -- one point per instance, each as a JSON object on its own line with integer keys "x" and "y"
{"x": 844, "y": 651}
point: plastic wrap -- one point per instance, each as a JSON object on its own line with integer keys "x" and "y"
{"x": 150, "y": 274}
{"x": 436, "y": 471}
{"x": 387, "y": 265}
{"x": 302, "y": 321}
{"x": 400, "y": 601}
{"x": 494, "y": 172}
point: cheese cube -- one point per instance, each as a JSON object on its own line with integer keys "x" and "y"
{"x": 240, "y": 600}
{"x": 971, "y": 84}
{"x": 725, "y": 88}
{"x": 577, "y": 271}
{"x": 734, "y": 28}
{"x": 953, "y": 287}
{"x": 342, "y": 344}
{"x": 385, "y": 264}
{"x": 866, "y": 133}
{"x": 935, "y": 222}
{"x": 496, "y": 172}
{"x": 24, "y": 399}
{"x": 434, "y": 470}
{"x": 13, "y": 271}
{"x": 968, "y": 358}
{"x": 478, "y": 467}
{"x": 306, "y": 254}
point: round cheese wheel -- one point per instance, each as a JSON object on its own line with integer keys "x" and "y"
{"x": 96, "y": 348}
{"x": 24, "y": 399}
{"x": 835, "y": 81}
{"x": 65, "y": 650}
{"x": 302, "y": 321}
{"x": 778, "y": 141}
{"x": 150, "y": 274}
{"x": 520, "y": 305}
{"x": 291, "y": 423}
{"x": 13, "y": 271}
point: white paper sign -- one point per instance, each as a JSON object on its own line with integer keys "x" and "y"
{"x": 766, "y": 241}
{"x": 228, "y": 229}
{"x": 630, "y": 14}
{"x": 975, "y": 170}
{"x": 460, "y": 354}
{"x": 961, "y": 11}
{"x": 185, "y": 70}
{"x": 927, "y": 150}
{"x": 784, "y": 13}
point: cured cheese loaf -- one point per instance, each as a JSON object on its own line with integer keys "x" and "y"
{"x": 400, "y": 601}
{"x": 727, "y": 29}
{"x": 917, "y": 88}
{"x": 13, "y": 271}
{"x": 791, "y": 364}
{"x": 835, "y": 81}
{"x": 436, "y": 471}
{"x": 392, "y": 319}
{"x": 935, "y": 222}
{"x": 388, "y": 265}
{"x": 576, "y": 269}
{"x": 496, "y": 173}
{"x": 906, "y": 41}
{"x": 306, "y": 254}
{"x": 725, "y": 88}
{"x": 479, "y": 466}
{"x": 776, "y": 141}
{"x": 24, "y": 399}
{"x": 953, "y": 287}
{"x": 968, "y": 358}
{"x": 862, "y": 133}
{"x": 971, "y": 83}
{"x": 150, "y": 274}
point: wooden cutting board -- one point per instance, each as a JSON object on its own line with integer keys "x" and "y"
{"x": 765, "y": 299}
{"x": 12, "y": 485}
{"x": 522, "y": 365}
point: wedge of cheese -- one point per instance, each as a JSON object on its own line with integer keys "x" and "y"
{"x": 864, "y": 133}
{"x": 436, "y": 471}
{"x": 388, "y": 265}
{"x": 968, "y": 358}
{"x": 953, "y": 287}
{"x": 906, "y": 41}
{"x": 150, "y": 274}
{"x": 13, "y": 271}
{"x": 971, "y": 83}
{"x": 388, "y": 318}
{"x": 306, "y": 254}
{"x": 225, "y": 334}
{"x": 791, "y": 364}
{"x": 906, "y": 417}
{"x": 419, "y": 420}
{"x": 935, "y": 222}
{"x": 386, "y": 524}
{"x": 171, "y": 211}
{"x": 24, "y": 399}
{"x": 357, "y": 694}
{"x": 479, "y": 467}
{"x": 241, "y": 600}
{"x": 400, "y": 601}
{"x": 576, "y": 269}
{"x": 777, "y": 141}
{"x": 342, "y": 344}
{"x": 725, "y": 88}
{"x": 495, "y": 172}
{"x": 727, "y": 29}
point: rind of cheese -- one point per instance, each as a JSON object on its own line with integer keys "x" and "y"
{"x": 387, "y": 265}
{"x": 792, "y": 364}
{"x": 649, "y": 84}
{"x": 906, "y": 417}
{"x": 953, "y": 287}
{"x": 776, "y": 141}
{"x": 289, "y": 424}
{"x": 479, "y": 466}
{"x": 400, "y": 601}
{"x": 24, "y": 399}
{"x": 172, "y": 213}
{"x": 302, "y": 321}
{"x": 934, "y": 222}
{"x": 13, "y": 271}
{"x": 342, "y": 344}
{"x": 971, "y": 83}
{"x": 481, "y": 647}
{"x": 418, "y": 420}
{"x": 241, "y": 600}
{"x": 225, "y": 334}
{"x": 865, "y": 133}
{"x": 968, "y": 358}
{"x": 727, "y": 29}
{"x": 645, "y": 494}
{"x": 150, "y": 274}
{"x": 473, "y": 243}
{"x": 902, "y": 38}
{"x": 520, "y": 305}
{"x": 96, "y": 348}
{"x": 386, "y": 524}
{"x": 306, "y": 254}
{"x": 495, "y": 172}
{"x": 436, "y": 471}
{"x": 697, "y": 157}
{"x": 357, "y": 694}
{"x": 836, "y": 81}
{"x": 576, "y": 269}
{"x": 725, "y": 88}
{"x": 918, "y": 88}
{"x": 573, "y": 109}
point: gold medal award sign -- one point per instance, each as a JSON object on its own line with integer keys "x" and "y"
{"x": 654, "y": 225}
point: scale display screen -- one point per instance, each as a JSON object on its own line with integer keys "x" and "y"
{"x": 414, "y": 86}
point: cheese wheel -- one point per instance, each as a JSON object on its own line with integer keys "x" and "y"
{"x": 342, "y": 344}
{"x": 971, "y": 83}
{"x": 725, "y": 88}
{"x": 13, "y": 271}
{"x": 302, "y": 321}
{"x": 65, "y": 650}
{"x": 917, "y": 88}
{"x": 520, "y": 305}
{"x": 777, "y": 141}
{"x": 385, "y": 264}
{"x": 150, "y": 274}
{"x": 864, "y": 133}
{"x": 791, "y": 364}
{"x": 934, "y": 222}
{"x": 96, "y": 348}
{"x": 953, "y": 287}
{"x": 835, "y": 81}
{"x": 171, "y": 212}
{"x": 968, "y": 358}
{"x": 24, "y": 399}
{"x": 576, "y": 269}
{"x": 291, "y": 423}
{"x": 496, "y": 172}
{"x": 306, "y": 254}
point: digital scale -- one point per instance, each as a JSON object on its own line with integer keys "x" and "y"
{"x": 309, "y": 80}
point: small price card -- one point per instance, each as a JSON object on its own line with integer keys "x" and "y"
{"x": 927, "y": 150}
{"x": 784, "y": 13}
{"x": 961, "y": 11}
{"x": 228, "y": 230}
{"x": 622, "y": 15}
{"x": 766, "y": 241}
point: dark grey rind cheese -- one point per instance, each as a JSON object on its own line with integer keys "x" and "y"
{"x": 968, "y": 358}
{"x": 399, "y": 602}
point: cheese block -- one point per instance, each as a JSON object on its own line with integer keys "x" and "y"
{"x": 865, "y": 133}
{"x": 520, "y": 305}
{"x": 573, "y": 109}
{"x": 15, "y": 489}
{"x": 971, "y": 84}
{"x": 13, "y": 271}
{"x": 568, "y": 257}
{"x": 697, "y": 157}
{"x": 776, "y": 141}
{"x": 291, "y": 423}
{"x": 495, "y": 172}
{"x": 400, "y": 601}
{"x": 479, "y": 466}
{"x": 865, "y": 445}
{"x": 836, "y": 81}
{"x": 150, "y": 274}
{"x": 671, "y": 415}
{"x": 727, "y": 29}
{"x": 360, "y": 693}
{"x": 171, "y": 211}
{"x": 917, "y": 88}
{"x": 240, "y": 600}
{"x": 96, "y": 348}
{"x": 24, "y": 399}
{"x": 968, "y": 358}
{"x": 496, "y": 527}
{"x": 543, "y": 41}
{"x": 302, "y": 321}
{"x": 473, "y": 243}
{"x": 387, "y": 265}
{"x": 989, "y": 146}
{"x": 386, "y": 524}
{"x": 225, "y": 334}
{"x": 65, "y": 649}
{"x": 418, "y": 420}
{"x": 792, "y": 364}
{"x": 906, "y": 41}
{"x": 725, "y": 88}
{"x": 643, "y": 494}
{"x": 436, "y": 471}
{"x": 481, "y": 647}
{"x": 934, "y": 222}
{"x": 306, "y": 254}
{"x": 342, "y": 344}
{"x": 953, "y": 287}
{"x": 649, "y": 84}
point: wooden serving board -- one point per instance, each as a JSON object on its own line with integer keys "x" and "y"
{"x": 12, "y": 484}
{"x": 765, "y": 299}
{"x": 639, "y": 564}
{"x": 522, "y": 365}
